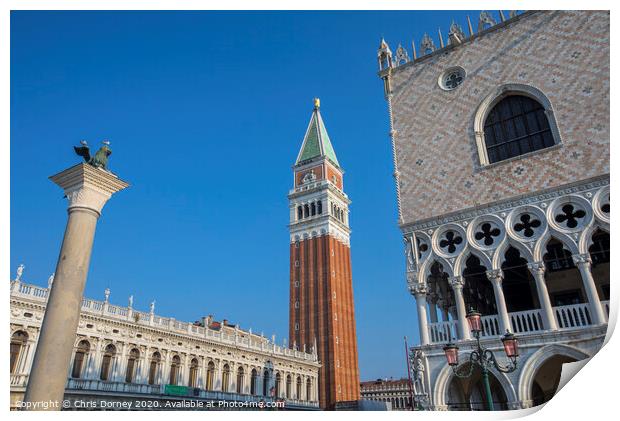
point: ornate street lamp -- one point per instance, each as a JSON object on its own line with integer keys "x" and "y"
{"x": 483, "y": 357}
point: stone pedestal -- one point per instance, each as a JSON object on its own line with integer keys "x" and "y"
{"x": 87, "y": 189}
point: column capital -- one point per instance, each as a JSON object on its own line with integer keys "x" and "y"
{"x": 88, "y": 187}
{"x": 457, "y": 282}
{"x": 582, "y": 259}
{"x": 537, "y": 267}
{"x": 418, "y": 289}
{"x": 495, "y": 275}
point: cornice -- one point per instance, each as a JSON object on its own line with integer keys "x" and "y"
{"x": 505, "y": 205}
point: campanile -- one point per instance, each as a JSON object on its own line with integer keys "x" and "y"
{"x": 321, "y": 291}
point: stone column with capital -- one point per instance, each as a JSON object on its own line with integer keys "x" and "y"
{"x": 419, "y": 291}
{"x": 584, "y": 263}
{"x": 457, "y": 282}
{"x": 496, "y": 277}
{"x": 87, "y": 189}
{"x": 538, "y": 270}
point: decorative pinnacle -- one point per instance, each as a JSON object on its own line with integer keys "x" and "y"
{"x": 317, "y": 103}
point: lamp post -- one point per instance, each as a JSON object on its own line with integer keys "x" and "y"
{"x": 483, "y": 357}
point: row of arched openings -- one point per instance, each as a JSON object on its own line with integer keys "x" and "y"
{"x": 276, "y": 389}
{"x": 83, "y": 350}
{"x": 309, "y": 209}
{"x": 563, "y": 280}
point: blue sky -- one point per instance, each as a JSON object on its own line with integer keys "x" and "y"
{"x": 206, "y": 112}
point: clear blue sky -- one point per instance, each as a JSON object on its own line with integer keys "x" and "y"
{"x": 206, "y": 112}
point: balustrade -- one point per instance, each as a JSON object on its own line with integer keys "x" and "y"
{"x": 122, "y": 313}
{"x": 441, "y": 332}
{"x": 526, "y": 321}
{"x": 522, "y": 322}
{"x": 576, "y": 315}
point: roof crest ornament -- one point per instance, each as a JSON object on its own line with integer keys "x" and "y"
{"x": 486, "y": 21}
{"x": 456, "y": 34}
{"x": 427, "y": 45}
{"x": 402, "y": 56}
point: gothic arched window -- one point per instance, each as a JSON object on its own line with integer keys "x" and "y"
{"x": 278, "y": 386}
{"x": 288, "y": 386}
{"x": 319, "y": 207}
{"x": 193, "y": 373}
{"x": 516, "y": 125}
{"x": 225, "y": 378}
{"x": 131, "y": 365}
{"x": 266, "y": 383}
{"x": 298, "y": 388}
{"x": 308, "y": 390}
{"x": 240, "y": 376}
{"x": 18, "y": 343}
{"x": 312, "y": 209}
{"x": 155, "y": 361}
{"x": 106, "y": 362}
{"x": 174, "y": 369}
{"x": 300, "y": 212}
{"x": 253, "y": 381}
{"x": 210, "y": 375}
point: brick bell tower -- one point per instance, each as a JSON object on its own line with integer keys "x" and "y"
{"x": 321, "y": 291}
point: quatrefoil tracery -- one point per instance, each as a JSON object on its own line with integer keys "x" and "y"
{"x": 528, "y": 225}
{"x": 570, "y": 216}
{"x": 487, "y": 234}
{"x": 451, "y": 241}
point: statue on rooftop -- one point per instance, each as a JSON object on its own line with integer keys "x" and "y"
{"x": 100, "y": 160}
{"x": 50, "y": 280}
{"x": 20, "y": 272}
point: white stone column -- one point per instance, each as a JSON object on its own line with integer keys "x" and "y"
{"x": 95, "y": 356}
{"x": 457, "y": 283}
{"x": 584, "y": 263}
{"x": 164, "y": 373}
{"x": 217, "y": 381}
{"x": 87, "y": 189}
{"x": 496, "y": 277}
{"x": 232, "y": 380}
{"x": 419, "y": 291}
{"x": 260, "y": 381}
{"x": 538, "y": 271}
{"x": 145, "y": 366}
{"x": 29, "y": 349}
{"x": 120, "y": 363}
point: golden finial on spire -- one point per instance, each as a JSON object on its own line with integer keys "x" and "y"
{"x": 317, "y": 103}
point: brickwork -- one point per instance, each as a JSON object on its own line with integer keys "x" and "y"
{"x": 564, "y": 54}
{"x": 321, "y": 303}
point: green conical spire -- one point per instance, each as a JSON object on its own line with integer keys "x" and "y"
{"x": 316, "y": 141}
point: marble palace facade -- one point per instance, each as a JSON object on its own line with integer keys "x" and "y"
{"x": 500, "y": 142}
{"x": 122, "y": 355}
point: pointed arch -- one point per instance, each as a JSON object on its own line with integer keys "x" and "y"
{"x": 499, "y": 257}
{"x": 541, "y": 245}
{"x": 425, "y": 268}
{"x": 585, "y": 240}
{"x": 460, "y": 263}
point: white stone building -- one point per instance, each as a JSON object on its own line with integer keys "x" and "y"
{"x": 501, "y": 160}
{"x": 125, "y": 355}
{"x": 396, "y": 394}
